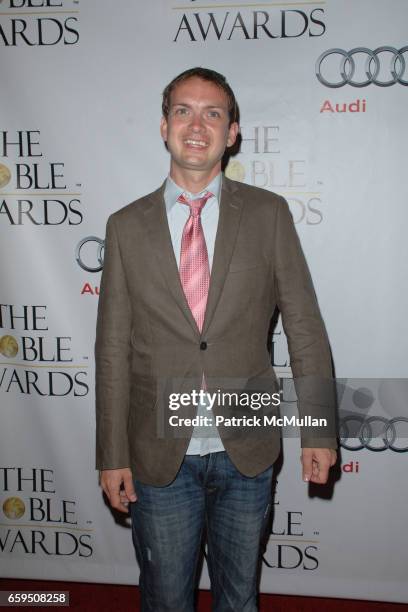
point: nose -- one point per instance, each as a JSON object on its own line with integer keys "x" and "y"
{"x": 196, "y": 123}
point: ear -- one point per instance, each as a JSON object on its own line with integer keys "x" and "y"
{"x": 232, "y": 133}
{"x": 163, "y": 128}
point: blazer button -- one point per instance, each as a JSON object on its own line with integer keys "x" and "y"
{"x": 203, "y": 346}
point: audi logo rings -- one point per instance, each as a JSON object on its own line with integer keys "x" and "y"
{"x": 97, "y": 257}
{"x": 372, "y": 67}
{"x": 374, "y": 433}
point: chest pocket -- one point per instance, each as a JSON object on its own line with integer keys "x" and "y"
{"x": 245, "y": 264}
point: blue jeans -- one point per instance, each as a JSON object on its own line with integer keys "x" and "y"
{"x": 168, "y": 523}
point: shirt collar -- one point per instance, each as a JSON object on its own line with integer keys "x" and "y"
{"x": 172, "y": 191}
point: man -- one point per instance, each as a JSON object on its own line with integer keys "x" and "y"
{"x": 192, "y": 275}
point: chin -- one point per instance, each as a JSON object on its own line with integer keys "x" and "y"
{"x": 194, "y": 162}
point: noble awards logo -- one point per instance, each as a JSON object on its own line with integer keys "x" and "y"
{"x": 260, "y": 162}
{"x": 36, "y": 362}
{"x": 33, "y": 189}
{"x": 38, "y": 23}
{"x": 35, "y": 520}
{"x": 289, "y": 547}
{"x": 240, "y": 22}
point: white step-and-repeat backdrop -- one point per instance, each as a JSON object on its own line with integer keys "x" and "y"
{"x": 323, "y": 91}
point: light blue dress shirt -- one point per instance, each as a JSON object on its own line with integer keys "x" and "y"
{"x": 204, "y": 439}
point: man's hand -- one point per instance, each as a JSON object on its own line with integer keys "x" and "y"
{"x": 316, "y": 463}
{"x": 111, "y": 480}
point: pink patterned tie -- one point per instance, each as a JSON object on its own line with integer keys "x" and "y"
{"x": 194, "y": 267}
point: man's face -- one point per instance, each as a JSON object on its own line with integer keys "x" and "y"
{"x": 197, "y": 129}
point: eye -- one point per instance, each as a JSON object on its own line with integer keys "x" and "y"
{"x": 181, "y": 111}
{"x": 213, "y": 114}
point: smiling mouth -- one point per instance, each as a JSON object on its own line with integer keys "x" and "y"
{"x": 199, "y": 144}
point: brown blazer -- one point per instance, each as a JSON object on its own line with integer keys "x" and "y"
{"x": 147, "y": 338}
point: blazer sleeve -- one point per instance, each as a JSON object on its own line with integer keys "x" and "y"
{"x": 306, "y": 334}
{"x": 112, "y": 358}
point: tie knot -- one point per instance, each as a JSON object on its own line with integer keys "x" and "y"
{"x": 196, "y": 205}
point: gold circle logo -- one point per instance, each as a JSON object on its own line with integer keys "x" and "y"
{"x": 13, "y": 508}
{"x": 5, "y": 176}
{"x": 235, "y": 171}
{"x": 8, "y": 346}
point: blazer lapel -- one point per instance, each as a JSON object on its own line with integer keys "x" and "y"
{"x": 227, "y": 231}
{"x": 162, "y": 247}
